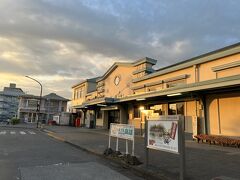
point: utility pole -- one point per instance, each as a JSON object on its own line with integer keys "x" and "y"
{"x": 40, "y": 99}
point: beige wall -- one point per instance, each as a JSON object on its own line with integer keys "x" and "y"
{"x": 201, "y": 72}
{"x": 91, "y": 95}
{"x": 189, "y": 71}
{"x": 111, "y": 90}
{"x": 99, "y": 122}
{"x": 206, "y": 72}
{"x": 190, "y": 112}
{"x": 228, "y": 72}
{"x": 75, "y": 99}
{"x": 223, "y": 114}
{"x": 136, "y": 122}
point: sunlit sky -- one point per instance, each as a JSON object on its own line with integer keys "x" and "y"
{"x": 62, "y": 42}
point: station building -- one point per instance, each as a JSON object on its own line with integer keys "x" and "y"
{"x": 205, "y": 89}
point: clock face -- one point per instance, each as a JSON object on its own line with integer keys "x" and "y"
{"x": 117, "y": 80}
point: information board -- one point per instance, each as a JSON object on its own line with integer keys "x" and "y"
{"x": 163, "y": 134}
{"x": 123, "y": 131}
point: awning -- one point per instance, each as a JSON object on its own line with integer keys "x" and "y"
{"x": 109, "y": 108}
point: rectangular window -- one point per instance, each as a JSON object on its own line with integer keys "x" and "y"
{"x": 75, "y": 94}
{"x": 137, "y": 112}
{"x": 33, "y": 103}
{"x": 157, "y": 109}
{"x": 176, "y": 108}
{"x": 80, "y": 93}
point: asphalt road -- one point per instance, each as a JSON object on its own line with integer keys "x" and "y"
{"x": 29, "y": 154}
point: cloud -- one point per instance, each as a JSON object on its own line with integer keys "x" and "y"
{"x": 62, "y": 42}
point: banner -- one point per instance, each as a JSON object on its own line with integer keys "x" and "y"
{"x": 124, "y": 131}
{"x": 163, "y": 134}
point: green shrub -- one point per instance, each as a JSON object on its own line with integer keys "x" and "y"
{"x": 15, "y": 121}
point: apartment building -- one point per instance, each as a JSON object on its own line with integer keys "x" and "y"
{"x": 9, "y": 101}
{"x": 51, "y": 104}
{"x": 205, "y": 89}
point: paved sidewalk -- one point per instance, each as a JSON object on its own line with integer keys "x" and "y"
{"x": 203, "y": 161}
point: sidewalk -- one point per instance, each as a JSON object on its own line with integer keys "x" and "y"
{"x": 203, "y": 161}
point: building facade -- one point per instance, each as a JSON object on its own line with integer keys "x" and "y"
{"x": 51, "y": 105}
{"x": 9, "y": 99}
{"x": 205, "y": 89}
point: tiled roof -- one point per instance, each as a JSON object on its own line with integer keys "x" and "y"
{"x": 54, "y": 96}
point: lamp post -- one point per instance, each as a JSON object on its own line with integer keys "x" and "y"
{"x": 39, "y": 105}
{"x": 141, "y": 108}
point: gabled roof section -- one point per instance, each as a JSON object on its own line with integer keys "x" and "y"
{"x": 53, "y": 96}
{"x": 30, "y": 96}
{"x": 116, "y": 64}
{"x": 87, "y": 80}
{"x": 112, "y": 68}
{"x": 13, "y": 91}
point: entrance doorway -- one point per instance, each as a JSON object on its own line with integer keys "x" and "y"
{"x": 113, "y": 117}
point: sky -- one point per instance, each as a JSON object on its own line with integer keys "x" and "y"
{"x": 62, "y": 42}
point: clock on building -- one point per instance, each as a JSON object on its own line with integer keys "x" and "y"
{"x": 117, "y": 80}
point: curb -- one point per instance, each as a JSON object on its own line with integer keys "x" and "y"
{"x": 23, "y": 127}
{"x": 136, "y": 170}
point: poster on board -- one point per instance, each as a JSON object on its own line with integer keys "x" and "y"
{"x": 163, "y": 134}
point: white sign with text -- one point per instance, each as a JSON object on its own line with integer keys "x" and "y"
{"x": 123, "y": 131}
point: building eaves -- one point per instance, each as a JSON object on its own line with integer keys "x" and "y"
{"x": 99, "y": 101}
{"x": 86, "y": 80}
{"x": 145, "y": 60}
{"x": 53, "y": 96}
{"x": 30, "y": 96}
{"x": 204, "y": 85}
{"x": 220, "y": 53}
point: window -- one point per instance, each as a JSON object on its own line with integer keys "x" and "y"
{"x": 158, "y": 109}
{"x": 137, "y": 112}
{"x": 75, "y": 94}
{"x": 80, "y": 93}
{"x": 32, "y": 103}
{"x": 176, "y": 108}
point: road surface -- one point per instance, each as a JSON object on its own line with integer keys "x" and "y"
{"x": 29, "y": 154}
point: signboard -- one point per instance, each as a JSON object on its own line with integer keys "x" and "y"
{"x": 124, "y": 131}
{"x": 163, "y": 134}
{"x": 56, "y": 119}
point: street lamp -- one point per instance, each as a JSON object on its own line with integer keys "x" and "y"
{"x": 141, "y": 108}
{"x": 39, "y": 105}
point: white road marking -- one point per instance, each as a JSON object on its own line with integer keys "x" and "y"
{"x": 31, "y": 132}
{"x": 14, "y": 132}
{"x": 3, "y": 132}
